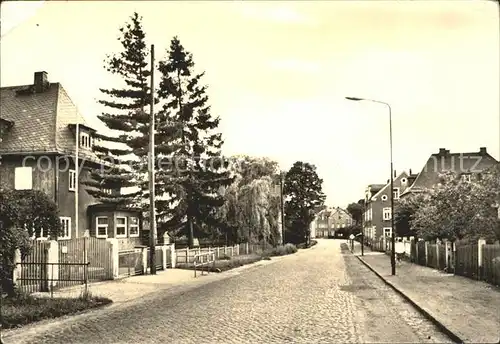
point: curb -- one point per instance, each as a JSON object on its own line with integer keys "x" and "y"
{"x": 455, "y": 338}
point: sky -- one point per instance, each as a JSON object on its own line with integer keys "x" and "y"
{"x": 278, "y": 74}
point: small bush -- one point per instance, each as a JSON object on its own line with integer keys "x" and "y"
{"x": 304, "y": 245}
{"x": 24, "y": 309}
{"x": 280, "y": 250}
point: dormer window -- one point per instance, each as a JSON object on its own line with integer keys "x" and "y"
{"x": 85, "y": 140}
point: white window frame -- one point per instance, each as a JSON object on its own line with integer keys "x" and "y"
{"x": 386, "y": 214}
{"x": 85, "y": 140}
{"x": 22, "y": 181}
{"x": 395, "y": 190}
{"x": 384, "y": 198}
{"x": 120, "y": 226}
{"x": 387, "y": 229}
{"x": 97, "y": 226}
{"x": 41, "y": 237}
{"x": 133, "y": 226}
{"x": 66, "y": 219}
{"x": 466, "y": 178}
{"x": 71, "y": 180}
{"x": 403, "y": 180}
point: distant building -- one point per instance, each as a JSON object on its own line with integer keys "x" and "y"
{"x": 328, "y": 221}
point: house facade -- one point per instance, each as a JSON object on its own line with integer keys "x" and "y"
{"x": 463, "y": 164}
{"x": 378, "y": 215}
{"x": 329, "y": 221}
{"x": 38, "y": 152}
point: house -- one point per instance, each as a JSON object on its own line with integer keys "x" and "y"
{"x": 378, "y": 214}
{"x": 38, "y": 150}
{"x": 328, "y": 221}
{"x": 464, "y": 164}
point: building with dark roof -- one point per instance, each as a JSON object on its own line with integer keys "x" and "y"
{"x": 38, "y": 151}
{"x": 463, "y": 164}
{"x": 378, "y": 215}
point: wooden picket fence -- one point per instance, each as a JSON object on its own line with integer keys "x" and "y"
{"x": 185, "y": 256}
{"x": 33, "y": 268}
{"x": 478, "y": 261}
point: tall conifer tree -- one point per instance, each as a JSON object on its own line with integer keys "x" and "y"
{"x": 197, "y": 172}
{"x": 125, "y": 151}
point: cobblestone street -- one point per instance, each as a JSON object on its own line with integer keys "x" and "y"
{"x": 318, "y": 295}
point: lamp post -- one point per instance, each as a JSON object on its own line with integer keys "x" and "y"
{"x": 393, "y": 235}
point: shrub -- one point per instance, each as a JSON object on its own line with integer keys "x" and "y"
{"x": 24, "y": 309}
{"x": 280, "y": 250}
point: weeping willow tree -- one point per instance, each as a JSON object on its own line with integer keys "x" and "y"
{"x": 252, "y": 205}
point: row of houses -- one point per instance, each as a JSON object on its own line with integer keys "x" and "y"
{"x": 38, "y": 152}
{"x": 329, "y": 222}
{"x": 377, "y": 218}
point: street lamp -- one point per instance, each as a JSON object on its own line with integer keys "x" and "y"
{"x": 393, "y": 234}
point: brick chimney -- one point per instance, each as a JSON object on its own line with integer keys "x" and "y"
{"x": 41, "y": 81}
{"x": 442, "y": 151}
{"x": 482, "y": 150}
{"x": 410, "y": 172}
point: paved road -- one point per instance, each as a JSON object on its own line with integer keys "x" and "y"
{"x": 315, "y": 296}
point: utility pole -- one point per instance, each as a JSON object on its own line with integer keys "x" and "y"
{"x": 282, "y": 210}
{"x": 152, "y": 217}
{"x": 363, "y": 230}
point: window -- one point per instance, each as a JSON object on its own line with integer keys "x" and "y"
{"x": 38, "y": 235}
{"x": 395, "y": 193}
{"x": 134, "y": 227}
{"x": 72, "y": 180}
{"x": 66, "y": 228}
{"x": 121, "y": 227}
{"x": 23, "y": 178}
{"x": 387, "y": 232}
{"x": 107, "y": 191}
{"x": 403, "y": 180}
{"x": 101, "y": 227}
{"x": 85, "y": 140}
{"x": 466, "y": 178}
{"x": 386, "y": 213}
{"x": 384, "y": 197}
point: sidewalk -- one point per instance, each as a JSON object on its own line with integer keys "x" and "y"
{"x": 467, "y": 308}
{"x": 135, "y": 287}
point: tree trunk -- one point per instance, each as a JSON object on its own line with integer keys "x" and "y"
{"x": 190, "y": 233}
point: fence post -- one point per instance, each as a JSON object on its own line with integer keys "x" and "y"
{"x": 187, "y": 255}
{"x": 454, "y": 254}
{"x": 447, "y": 249}
{"x": 114, "y": 256}
{"x": 225, "y": 250}
{"x": 237, "y": 247}
{"x": 53, "y": 269}
{"x": 17, "y": 267}
{"x": 144, "y": 255}
{"x": 480, "y": 246}
{"x": 173, "y": 255}
{"x": 416, "y": 251}
{"x": 438, "y": 243}
{"x": 164, "y": 256}
{"x": 426, "y": 253}
{"x": 247, "y": 251}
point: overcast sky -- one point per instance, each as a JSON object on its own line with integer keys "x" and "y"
{"x": 278, "y": 72}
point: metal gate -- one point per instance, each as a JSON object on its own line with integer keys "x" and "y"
{"x": 130, "y": 262}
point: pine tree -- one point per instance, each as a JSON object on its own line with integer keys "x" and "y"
{"x": 188, "y": 136}
{"x": 125, "y": 151}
